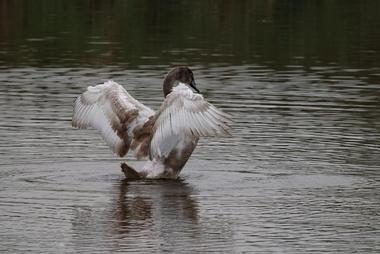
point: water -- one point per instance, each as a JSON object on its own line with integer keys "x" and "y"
{"x": 300, "y": 174}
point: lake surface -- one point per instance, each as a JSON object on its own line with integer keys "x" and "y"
{"x": 301, "y": 173}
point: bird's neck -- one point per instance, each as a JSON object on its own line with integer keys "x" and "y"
{"x": 169, "y": 82}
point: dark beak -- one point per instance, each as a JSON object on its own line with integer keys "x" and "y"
{"x": 194, "y": 86}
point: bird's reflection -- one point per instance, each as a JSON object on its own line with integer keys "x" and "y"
{"x": 140, "y": 205}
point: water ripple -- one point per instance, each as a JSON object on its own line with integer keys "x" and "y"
{"x": 300, "y": 172}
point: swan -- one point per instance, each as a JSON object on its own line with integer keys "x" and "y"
{"x": 166, "y": 137}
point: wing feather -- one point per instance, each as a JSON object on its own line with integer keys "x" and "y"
{"x": 186, "y": 113}
{"x": 110, "y": 109}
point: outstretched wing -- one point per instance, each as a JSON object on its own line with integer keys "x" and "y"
{"x": 186, "y": 113}
{"x": 110, "y": 109}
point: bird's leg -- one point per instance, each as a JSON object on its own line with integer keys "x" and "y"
{"x": 130, "y": 173}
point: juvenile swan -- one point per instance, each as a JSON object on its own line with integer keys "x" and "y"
{"x": 167, "y": 137}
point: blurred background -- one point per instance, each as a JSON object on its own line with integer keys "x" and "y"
{"x": 301, "y": 80}
{"x": 133, "y": 33}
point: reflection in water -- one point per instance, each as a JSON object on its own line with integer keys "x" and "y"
{"x": 169, "y": 202}
{"x": 165, "y": 212}
{"x": 127, "y": 210}
{"x": 135, "y": 32}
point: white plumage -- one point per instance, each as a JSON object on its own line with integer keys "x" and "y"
{"x": 185, "y": 113}
{"x": 167, "y": 136}
{"x": 110, "y": 109}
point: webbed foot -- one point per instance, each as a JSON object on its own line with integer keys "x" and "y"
{"x": 129, "y": 172}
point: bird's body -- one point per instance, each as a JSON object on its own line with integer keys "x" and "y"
{"x": 167, "y": 137}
